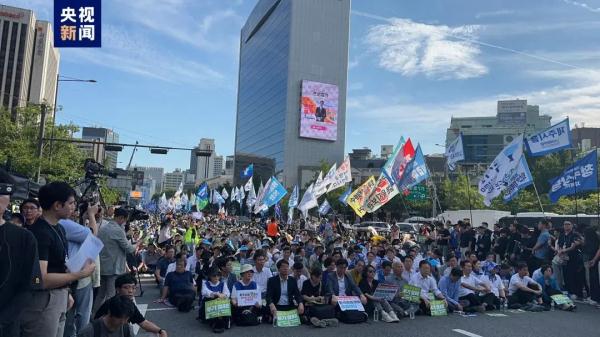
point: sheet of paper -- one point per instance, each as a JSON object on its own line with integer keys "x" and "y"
{"x": 90, "y": 248}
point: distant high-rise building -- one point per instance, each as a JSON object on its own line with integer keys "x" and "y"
{"x": 28, "y": 59}
{"x": 172, "y": 180}
{"x": 97, "y": 151}
{"x": 45, "y": 66}
{"x": 229, "y": 165}
{"x": 218, "y": 168}
{"x": 155, "y": 174}
{"x": 293, "y": 69}
{"x": 485, "y": 137}
{"x": 204, "y": 167}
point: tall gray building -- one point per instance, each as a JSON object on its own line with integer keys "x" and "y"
{"x": 97, "y": 151}
{"x": 284, "y": 44}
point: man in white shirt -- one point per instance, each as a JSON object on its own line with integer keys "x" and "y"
{"x": 494, "y": 282}
{"x": 471, "y": 286}
{"x": 523, "y": 289}
{"x": 426, "y": 282}
{"x": 261, "y": 273}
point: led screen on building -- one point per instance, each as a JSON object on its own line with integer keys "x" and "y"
{"x": 319, "y": 110}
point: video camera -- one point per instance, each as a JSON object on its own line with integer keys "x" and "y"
{"x": 94, "y": 170}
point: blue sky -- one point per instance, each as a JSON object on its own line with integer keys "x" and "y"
{"x": 167, "y": 71}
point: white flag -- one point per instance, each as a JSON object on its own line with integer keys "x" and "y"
{"x": 248, "y": 184}
{"x": 455, "y": 152}
{"x": 259, "y": 206}
{"x": 308, "y": 200}
{"x": 553, "y": 139}
{"x": 343, "y": 175}
{"x": 251, "y": 199}
{"x": 320, "y": 186}
{"x": 224, "y": 194}
{"x": 496, "y": 178}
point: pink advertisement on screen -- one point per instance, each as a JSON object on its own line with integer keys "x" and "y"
{"x": 319, "y": 110}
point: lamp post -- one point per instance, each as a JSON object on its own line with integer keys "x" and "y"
{"x": 60, "y": 78}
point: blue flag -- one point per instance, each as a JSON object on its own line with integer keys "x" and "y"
{"x": 581, "y": 176}
{"x": 520, "y": 179}
{"x": 345, "y": 196}
{"x": 248, "y": 171}
{"x": 277, "y": 211}
{"x": 324, "y": 208}
{"x": 416, "y": 171}
{"x": 553, "y": 139}
{"x": 274, "y": 193}
{"x": 202, "y": 196}
{"x": 293, "y": 202}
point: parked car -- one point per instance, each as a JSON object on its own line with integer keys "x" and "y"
{"x": 380, "y": 227}
{"x": 408, "y": 228}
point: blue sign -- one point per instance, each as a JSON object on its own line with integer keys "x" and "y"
{"x": 248, "y": 171}
{"x": 553, "y": 139}
{"x": 581, "y": 176}
{"x": 274, "y": 193}
{"x": 77, "y": 23}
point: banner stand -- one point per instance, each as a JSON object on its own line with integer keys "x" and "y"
{"x": 466, "y": 172}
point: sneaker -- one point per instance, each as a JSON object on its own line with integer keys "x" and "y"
{"x": 331, "y": 322}
{"x": 394, "y": 316}
{"x": 480, "y": 308}
{"x": 386, "y": 317}
{"x": 318, "y": 323}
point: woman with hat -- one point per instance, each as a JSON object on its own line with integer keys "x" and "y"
{"x": 244, "y": 314}
{"x": 212, "y": 288}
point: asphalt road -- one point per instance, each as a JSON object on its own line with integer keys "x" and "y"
{"x": 584, "y": 322}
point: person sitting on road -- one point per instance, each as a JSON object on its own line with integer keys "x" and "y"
{"x": 550, "y": 287}
{"x": 427, "y": 283}
{"x": 471, "y": 286}
{"x": 282, "y": 292}
{"x": 523, "y": 290}
{"x": 450, "y": 288}
{"x": 115, "y": 322}
{"x": 125, "y": 285}
{"x": 248, "y": 314}
{"x": 340, "y": 284}
{"x": 368, "y": 285}
{"x": 179, "y": 287}
{"x": 214, "y": 287}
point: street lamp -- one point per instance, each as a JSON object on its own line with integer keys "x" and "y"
{"x": 60, "y": 78}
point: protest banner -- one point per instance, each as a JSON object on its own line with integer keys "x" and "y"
{"x": 561, "y": 299}
{"x": 438, "y": 308}
{"x": 288, "y": 318}
{"x": 386, "y": 291}
{"x": 411, "y": 293}
{"x": 246, "y": 298}
{"x": 217, "y": 308}
{"x": 350, "y": 303}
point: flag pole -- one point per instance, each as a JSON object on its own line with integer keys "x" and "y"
{"x": 575, "y": 187}
{"x": 535, "y": 188}
{"x": 469, "y": 193}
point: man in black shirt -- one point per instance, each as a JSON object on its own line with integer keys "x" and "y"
{"x": 19, "y": 266}
{"x": 47, "y": 310}
{"x": 125, "y": 285}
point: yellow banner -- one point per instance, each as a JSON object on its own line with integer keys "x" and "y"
{"x": 357, "y": 198}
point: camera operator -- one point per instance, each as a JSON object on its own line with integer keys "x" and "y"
{"x": 113, "y": 257}
{"x": 46, "y": 312}
{"x": 19, "y": 265}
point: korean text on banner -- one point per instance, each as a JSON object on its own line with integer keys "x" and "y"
{"x": 438, "y": 308}
{"x": 384, "y": 191}
{"x": 520, "y": 179}
{"x": 357, "y": 198}
{"x": 411, "y": 293}
{"x": 287, "y": 319}
{"x": 343, "y": 175}
{"x": 217, "y": 308}
{"x": 246, "y": 298}
{"x": 495, "y": 178}
{"x": 386, "y": 291}
{"x": 455, "y": 152}
{"x": 350, "y": 303}
{"x": 553, "y": 139}
{"x": 581, "y": 176}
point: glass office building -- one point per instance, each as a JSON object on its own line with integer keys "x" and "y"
{"x": 282, "y": 43}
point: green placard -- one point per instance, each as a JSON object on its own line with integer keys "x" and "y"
{"x": 438, "y": 308}
{"x": 411, "y": 293}
{"x": 418, "y": 193}
{"x": 288, "y": 318}
{"x": 236, "y": 267}
{"x": 561, "y": 299}
{"x": 217, "y": 308}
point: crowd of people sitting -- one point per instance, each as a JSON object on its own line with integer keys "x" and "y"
{"x": 309, "y": 268}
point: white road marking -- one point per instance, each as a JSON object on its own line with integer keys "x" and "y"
{"x": 466, "y": 333}
{"x": 142, "y": 308}
{"x": 160, "y": 309}
{"x": 497, "y": 315}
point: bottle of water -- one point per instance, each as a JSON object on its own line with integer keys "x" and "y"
{"x": 504, "y": 305}
{"x": 275, "y": 320}
{"x": 376, "y": 315}
{"x": 412, "y": 313}
{"x": 552, "y": 306}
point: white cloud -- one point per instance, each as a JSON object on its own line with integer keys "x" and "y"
{"x": 437, "y": 51}
{"x": 501, "y": 12}
{"x": 130, "y": 52}
{"x": 583, "y": 5}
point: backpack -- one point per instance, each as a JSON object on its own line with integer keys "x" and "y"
{"x": 352, "y": 316}
{"x": 247, "y": 318}
{"x": 97, "y": 325}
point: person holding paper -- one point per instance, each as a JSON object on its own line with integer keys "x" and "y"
{"x": 550, "y": 287}
{"x": 426, "y": 282}
{"x": 245, "y": 313}
{"x": 450, "y": 286}
{"x": 282, "y": 291}
{"x": 340, "y": 284}
{"x": 214, "y": 288}
{"x": 368, "y": 285}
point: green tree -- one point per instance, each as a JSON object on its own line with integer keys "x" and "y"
{"x": 18, "y": 146}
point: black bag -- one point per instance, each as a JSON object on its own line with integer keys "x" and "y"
{"x": 247, "y": 318}
{"x": 321, "y": 311}
{"x": 353, "y": 316}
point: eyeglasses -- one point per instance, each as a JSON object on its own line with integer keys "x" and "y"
{"x": 371, "y": 271}
{"x": 30, "y": 208}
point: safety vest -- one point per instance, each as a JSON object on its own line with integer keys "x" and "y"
{"x": 272, "y": 229}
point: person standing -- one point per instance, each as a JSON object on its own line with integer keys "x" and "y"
{"x": 113, "y": 257}
{"x": 19, "y": 265}
{"x": 47, "y": 309}
{"x": 568, "y": 246}
{"x": 30, "y": 209}
{"x": 541, "y": 250}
